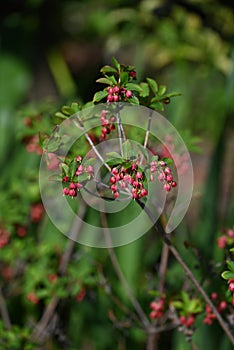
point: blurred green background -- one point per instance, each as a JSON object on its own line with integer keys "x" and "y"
{"x": 50, "y": 54}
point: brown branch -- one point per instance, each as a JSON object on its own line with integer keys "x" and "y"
{"x": 121, "y": 276}
{"x": 4, "y": 311}
{"x": 50, "y": 308}
{"x": 189, "y": 273}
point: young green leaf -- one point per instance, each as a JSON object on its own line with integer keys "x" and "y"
{"x": 153, "y": 85}
{"x": 99, "y": 96}
{"x": 227, "y": 275}
{"x": 134, "y": 87}
{"x": 116, "y": 63}
{"x": 108, "y": 69}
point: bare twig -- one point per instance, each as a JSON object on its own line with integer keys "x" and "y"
{"x": 119, "y": 273}
{"x": 148, "y": 129}
{"x": 189, "y": 273}
{"x": 4, "y": 311}
{"x": 50, "y": 308}
{"x": 81, "y": 126}
{"x": 121, "y": 132}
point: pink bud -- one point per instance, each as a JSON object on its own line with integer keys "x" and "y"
{"x": 167, "y": 187}
{"x": 128, "y": 94}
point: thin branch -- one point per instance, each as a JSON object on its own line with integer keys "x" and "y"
{"x": 121, "y": 132}
{"x": 120, "y": 275}
{"x": 4, "y": 311}
{"x": 189, "y": 273}
{"x": 148, "y": 129}
{"x": 94, "y": 148}
{"x": 50, "y": 308}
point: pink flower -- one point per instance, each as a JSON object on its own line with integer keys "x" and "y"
{"x": 221, "y": 242}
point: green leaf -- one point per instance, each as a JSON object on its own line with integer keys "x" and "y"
{"x": 157, "y": 106}
{"x": 68, "y": 110}
{"x": 134, "y": 100}
{"x": 61, "y": 115}
{"x": 177, "y": 304}
{"x": 162, "y": 89}
{"x": 108, "y": 69}
{"x": 230, "y": 265}
{"x": 116, "y": 63}
{"x": 144, "y": 90}
{"x": 232, "y": 250}
{"x": 73, "y": 168}
{"x": 84, "y": 177}
{"x": 65, "y": 169}
{"x": 133, "y": 87}
{"x": 104, "y": 81}
{"x": 76, "y": 107}
{"x": 129, "y": 150}
{"x": 111, "y": 155}
{"x": 124, "y": 77}
{"x": 172, "y": 94}
{"x": 99, "y": 96}
{"x": 227, "y": 275}
{"x": 153, "y": 85}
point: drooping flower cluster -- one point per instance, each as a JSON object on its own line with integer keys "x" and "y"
{"x": 164, "y": 174}
{"x": 117, "y": 94}
{"x": 187, "y": 320}
{"x": 132, "y": 176}
{"x": 107, "y": 124}
{"x": 220, "y": 305}
{"x": 74, "y": 182}
{"x": 157, "y": 308}
{"x": 4, "y": 237}
{"x": 226, "y": 239}
{"x": 231, "y": 288}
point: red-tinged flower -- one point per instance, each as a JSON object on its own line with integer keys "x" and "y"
{"x": 21, "y": 231}
{"x": 231, "y": 285}
{"x": 7, "y": 273}
{"x": 33, "y": 298}
{"x": 80, "y": 296}
{"x": 52, "y": 277}
{"x": 36, "y": 212}
{"x": 222, "y": 241}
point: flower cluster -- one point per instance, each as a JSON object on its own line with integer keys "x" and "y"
{"x": 74, "y": 182}
{"x": 231, "y": 288}
{"x": 220, "y": 306}
{"x": 4, "y": 237}
{"x": 164, "y": 174}
{"x": 226, "y": 239}
{"x": 187, "y": 320}
{"x": 117, "y": 94}
{"x": 130, "y": 176}
{"x": 157, "y": 308}
{"x": 107, "y": 124}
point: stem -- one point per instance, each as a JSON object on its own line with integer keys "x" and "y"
{"x": 120, "y": 275}
{"x": 148, "y": 129}
{"x": 121, "y": 132}
{"x": 189, "y": 273}
{"x": 4, "y": 311}
{"x": 92, "y": 145}
{"x": 50, "y": 308}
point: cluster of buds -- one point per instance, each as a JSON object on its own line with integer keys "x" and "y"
{"x": 226, "y": 239}
{"x": 157, "y": 308}
{"x": 107, "y": 124}
{"x": 187, "y": 320}
{"x": 4, "y": 237}
{"x": 231, "y": 288}
{"x": 210, "y": 316}
{"x": 164, "y": 174}
{"x": 74, "y": 184}
{"x": 117, "y": 94}
{"x": 220, "y": 305}
{"x": 128, "y": 177}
